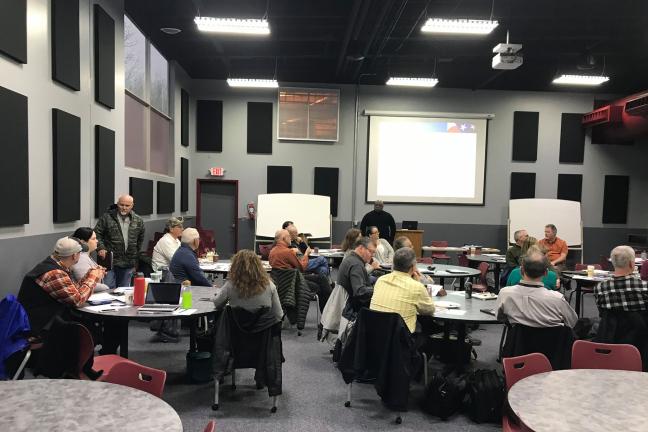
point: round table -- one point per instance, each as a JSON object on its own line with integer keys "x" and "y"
{"x": 446, "y": 271}
{"x": 497, "y": 261}
{"x": 582, "y": 281}
{"x": 202, "y": 302}
{"x": 223, "y": 266}
{"x": 582, "y": 400}
{"x": 76, "y": 405}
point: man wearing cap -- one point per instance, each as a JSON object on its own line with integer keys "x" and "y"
{"x": 49, "y": 290}
{"x": 167, "y": 245}
{"x": 121, "y": 232}
{"x": 184, "y": 264}
{"x": 380, "y": 219}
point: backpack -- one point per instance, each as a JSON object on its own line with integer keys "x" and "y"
{"x": 485, "y": 396}
{"x": 444, "y": 394}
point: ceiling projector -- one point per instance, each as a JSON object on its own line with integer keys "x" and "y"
{"x": 507, "y": 56}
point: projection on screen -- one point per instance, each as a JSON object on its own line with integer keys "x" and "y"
{"x": 426, "y": 160}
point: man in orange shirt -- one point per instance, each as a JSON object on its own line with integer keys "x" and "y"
{"x": 283, "y": 257}
{"x": 556, "y": 247}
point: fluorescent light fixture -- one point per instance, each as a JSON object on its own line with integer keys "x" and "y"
{"x": 233, "y": 25}
{"x": 413, "y": 82}
{"x": 586, "y": 80}
{"x": 459, "y": 26}
{"x": 243, "y": 82}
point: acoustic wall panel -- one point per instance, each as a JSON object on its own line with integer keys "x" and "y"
{"x": 209, "y": 125}
{"x": 570, "y": 187}
{"x": 184, "y": 184}
{"x": 522, "y": 185}
{"x": 525, "y": 136}
{"x": 165, "y": 197}
{"x": 104, "y": 56}
{"x": 184, "y": 118}
{"x": 65, "y": 43}
{"x": 13, "y": 29}
{"x": 326, "y": 183}
{"x": 14, "y": 166}
{"x": 259, "y": 127}
{"x": 104, "y": 169}
{"x": 66, "y": 139}
{"x": 572, "y": 139}
{"x": 142, "y": 192}
{"x": 279, "y": 179}
{"x": 615, "y": 199}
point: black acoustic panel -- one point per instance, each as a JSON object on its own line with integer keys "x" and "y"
{"x": 326, "y": 183}
{"x": 142, "y": 192}
{"x": 14, "y": 165}
{"x": 65, "y": 43}
{"x": 525, "y": 136}
{"x": 184, "y": 118}
{"x": 570, "y": 187}
{"x": 279, "y": 179}
{"x": 66, "y": 139}
{"x": 572, "y": 139}
{"x": 13, "y": 29}
{"x": 615, "y": 199}
{"x": 165, "y": 197}
{"x": 184, "y": 184}
{"x": 104, "y": 56}
{"x": 104, "y": 169}
{"x": 209, "y": 125}
{"x": 259, "y": 127}
{"x": 522, "y": 185}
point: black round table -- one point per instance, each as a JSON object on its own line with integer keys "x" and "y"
{"x": 581, "y": 279}
{"x": 446, "y": 271}
{"x": 497, "y": 262}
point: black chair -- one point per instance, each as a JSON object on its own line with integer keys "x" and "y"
{"x": 554, "y": 342}
{"x": 623, "y": 327}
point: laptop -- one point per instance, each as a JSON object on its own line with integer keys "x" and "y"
{"x": 410, "y": 225}
{"x": 161, "y": 297}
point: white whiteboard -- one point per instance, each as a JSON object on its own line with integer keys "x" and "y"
{"x": 310, "y": 213}
{"x": 533, "y": 214}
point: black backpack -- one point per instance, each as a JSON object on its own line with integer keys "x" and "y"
{"x": 485, "y": 396}
{"x": 444, "y": 395}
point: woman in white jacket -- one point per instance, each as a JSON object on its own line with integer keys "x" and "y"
{"x": 384, "y": 252}
{"x": 167, "y": 245}
{"x": 88, "y": 240}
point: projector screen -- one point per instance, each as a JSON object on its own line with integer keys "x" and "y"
{"x": 426, "y": 160}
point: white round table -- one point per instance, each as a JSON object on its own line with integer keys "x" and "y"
{"x": 75, "y": 405}
{"x": 581, "y": 400}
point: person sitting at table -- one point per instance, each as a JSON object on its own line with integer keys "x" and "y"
{"x": 350, "y": 238}
{"x": 353, "y": 277}
{"x": 184, "y": 264}
{"x": 89, "y": 242}
{"x": 527, "y": 304}
{"x": 401, "y": 242}
{"x": 167, "y": 245}
{"x": 248, "y": 286}
{"x": 556, "y": 247}
{"x": 384, "y": 251}
{"x": 316, "y": 264}
{"x": 514, "y": 253}
{"x": 550, "y": 280}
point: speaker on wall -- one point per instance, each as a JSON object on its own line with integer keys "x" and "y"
{"x": 65, "y": 43}
{"x": 279, "y": 179}
{"x": 184, "y": 118}
{"x": 66, "y": 138}
{"x": 570, "y": 187}
{"x": 104, "y": 56}
{"x": 615, "y": 199}
{"x": 184, "y": 184}
{"x": 259, "y": 127}
{"x": 209, "y": 125}
{"x": 326, "y": 183}
{"x": 142, "y": 192}
{"x": 104, "y": 169}
{"x": 14, "y": 166}
{"x": 522, "y": 185}
{"x": 165, "y": 197}
{"x": 572, "y": 139}
{"x": 13, "y": 29}
{"x": 525, "y": 136}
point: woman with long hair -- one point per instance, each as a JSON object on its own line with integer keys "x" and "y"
{"x": 88, "y": 239}
{"x": 351, "y": 236}
{"x": 248, "y": 286}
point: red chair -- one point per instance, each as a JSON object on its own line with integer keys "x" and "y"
{"x": 462, "y": 260}
{"x": 425, "y": 260}
{"x": 264, "y": 251}
{"x": 439, "y": 255}
{"x": 605, "y": 263}
{"x": 643, "y": 273}
{"x": 482, "y": 285}
{"x": 592, "y": 355}
{"x": 211, "y": 426}
{"x": 207, "y": 241}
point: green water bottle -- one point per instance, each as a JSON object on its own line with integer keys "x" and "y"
{"x": 186, "y": 294}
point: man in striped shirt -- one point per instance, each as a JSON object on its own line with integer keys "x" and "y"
{"x": 625, "y": 291}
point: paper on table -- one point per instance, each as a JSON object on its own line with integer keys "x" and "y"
{"x": 454, "y": 312}
{"x": 104, "y": 307}
{"x": 184, "y": 311}
{"x": 433, "y": 290}
{"x": 494, "y": 255}
{"x": 101, "y": 297}
{"x": 457, "y": 293}
{"x": 121, "y": 290}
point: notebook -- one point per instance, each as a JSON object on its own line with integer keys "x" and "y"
{"x": 161, "y": 297}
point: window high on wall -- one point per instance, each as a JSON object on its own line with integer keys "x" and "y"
{"x": 148, "y": 143}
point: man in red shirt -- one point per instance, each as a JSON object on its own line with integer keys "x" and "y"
{"x": 556, "y": 248}
{"x": 283, "y": 257}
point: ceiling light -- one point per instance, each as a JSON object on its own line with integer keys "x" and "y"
{"x": 459, "y": 26}
{"x": 170, "y": 30}
{"x": 243, "y": 82}
{"x": 413, "y": 82}
{"x": 233, "y": 25}
{"x": 586, "y": 80}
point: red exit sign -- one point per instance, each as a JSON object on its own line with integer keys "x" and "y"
{"x": 217, "y": 171}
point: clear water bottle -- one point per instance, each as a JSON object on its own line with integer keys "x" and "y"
{"x": 643, "y": 255}
{"x": 468, "y": 289}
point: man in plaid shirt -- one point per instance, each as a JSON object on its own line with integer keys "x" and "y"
{"x": 625, "y": 291}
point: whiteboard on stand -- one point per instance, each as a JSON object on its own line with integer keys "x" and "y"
{"x": 533, "y": 214}
{"x": 310, "y": 213}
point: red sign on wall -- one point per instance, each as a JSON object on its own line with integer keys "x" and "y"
{"x": 217, "y": 171}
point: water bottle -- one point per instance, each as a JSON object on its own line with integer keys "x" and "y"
{"x": 643, "y": 255}
{"x": 186, "y": 295}
{"x": 468, "y": 289}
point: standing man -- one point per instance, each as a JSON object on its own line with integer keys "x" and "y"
{"x": 556, "y": 247}
{"x": 514, "y": 253}
{"x": 121, "y": 232}
{"x": 380, "y": 219}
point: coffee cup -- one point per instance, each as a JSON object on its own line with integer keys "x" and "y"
{"x": 128, "y": 297}
{"x": 590, "y": 271}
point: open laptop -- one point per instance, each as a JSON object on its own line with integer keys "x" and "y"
{"x": 410, "y": 225}
{"x": 161, "y": 297}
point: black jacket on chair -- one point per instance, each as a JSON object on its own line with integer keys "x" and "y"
{"x": 554, "y": 342}
{"x": 294, "y": 294}
{"x": 380, "y": 346}
{"x": 623, "y": 327}
{"x": 245, "y": 339}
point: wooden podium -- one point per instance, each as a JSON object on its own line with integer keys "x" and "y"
{"x": 415, "y": 236}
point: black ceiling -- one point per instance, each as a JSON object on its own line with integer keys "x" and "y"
{"x": 365, "y": 41}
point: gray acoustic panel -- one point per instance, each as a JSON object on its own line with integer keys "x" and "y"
{"x": 570, "y": 187}
{"x": 184, "y": 184}
{"x": 259, "y": 127}
{"x": 209, "y": 125}
{"x": 279, "y": 179}
{"x": 104, "y": 169}
{"x": 522, "y": 185}
{"x": 65, "y": 43}
{"x": 142, "y": 192}
{"x": 184, "y": 118}
{"x": 326, "y": 183}
{"x": 572, "y": 139}
{"x": 66, "y": 139}
{"x": 104, "y": 57}
{"x": 165, "y": 197}
{"x": 615, "y": 199}
{"x": 13, "y": 29}
{"x": 525, "y": 136}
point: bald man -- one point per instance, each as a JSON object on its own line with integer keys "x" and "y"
{"x": 283, "y": 257}
{"x": 121, "y": 232}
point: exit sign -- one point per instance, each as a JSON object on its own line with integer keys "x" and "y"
{"x": 217, "y": 171}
